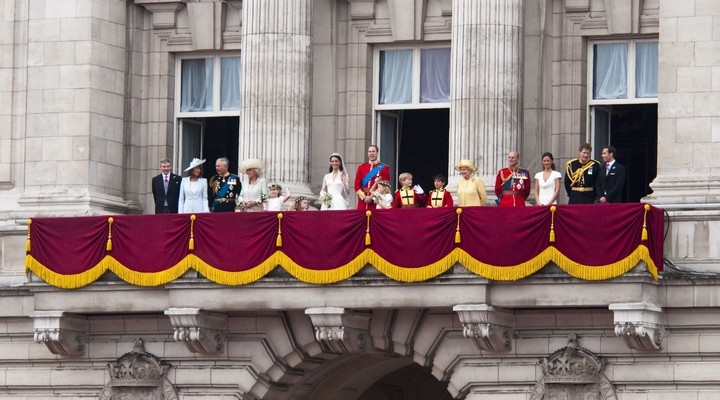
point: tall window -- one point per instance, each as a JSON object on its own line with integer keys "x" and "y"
{"x": 624, "y": 72}
{"x": 413, "y": 78}
{"x": 210, "y": 85}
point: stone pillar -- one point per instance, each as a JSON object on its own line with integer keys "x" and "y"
{"x": 276, "y": 89}
{"x": 486, "y": 82}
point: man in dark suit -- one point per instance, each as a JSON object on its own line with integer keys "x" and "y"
{"x": 166, "y": 189}
{"x": 612, "y": 178}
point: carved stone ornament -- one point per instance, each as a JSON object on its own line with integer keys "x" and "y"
{"x": 487, "y": 326}
{"x": 200, "y": 331}
{"x": 138, "y": 375}
{"x": 639, "y": 324}
{"x": 62, "y": 333}
{"x": 340, "y": 331}
{"x": 573, "y": 373}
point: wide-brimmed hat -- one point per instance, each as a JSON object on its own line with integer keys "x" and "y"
{"x": 194, "y": 163}
{"x": 466, "y": 163}
{"x": 251, "y": 163}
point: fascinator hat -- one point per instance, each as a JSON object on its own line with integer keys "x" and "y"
{"x": 466, "y": 163}
{"x": 251, "y": 163}
{"x": 196, "y": 162}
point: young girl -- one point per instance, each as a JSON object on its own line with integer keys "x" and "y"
{"x": 275, "y": 201}
{"x": 381, "y": 195}
{"x": 301, "y": 204}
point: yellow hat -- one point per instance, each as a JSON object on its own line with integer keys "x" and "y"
{"x": 466, "y": 163}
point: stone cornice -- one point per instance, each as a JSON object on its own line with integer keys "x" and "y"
{"x": 62, "y": 333}
{"x": 340, "y": 331}
{"x": 639, "y": 324}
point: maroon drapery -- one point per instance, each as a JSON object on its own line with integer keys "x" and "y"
{"x": 587, "y": 241}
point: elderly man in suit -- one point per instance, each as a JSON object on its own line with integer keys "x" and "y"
{"x": 612, "y": 178}
{"x": 166, "y": 189}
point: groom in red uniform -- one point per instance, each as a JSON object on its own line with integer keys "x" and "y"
{"x": 366, "y": 176}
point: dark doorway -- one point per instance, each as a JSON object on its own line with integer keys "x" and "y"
{"x": 409, "y": 383}
{"x": 424, "y": 145}
{"x": 632, "y": 130}
{"x": 221, "y": 140}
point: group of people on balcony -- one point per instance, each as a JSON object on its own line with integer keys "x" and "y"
{"x": 585, "y": 182}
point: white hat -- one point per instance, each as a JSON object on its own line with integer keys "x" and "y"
{"x": 194, "y": 163}
{"x": 466, "y": 163}
{"x": 251, "y": 163}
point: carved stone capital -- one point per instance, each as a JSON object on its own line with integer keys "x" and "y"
{"x": 487, "y": 326}
{"x": 340, "y": 331}
{"x": 639, "y": 324}
{"x": 163, "y": 11}
{"x": 62, "y": 333}
{"x": 200, "y": 331}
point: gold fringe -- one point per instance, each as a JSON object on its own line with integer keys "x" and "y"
{"x": 457, "y": 227}
{"x": 108, "y": 245}
{"x": 552, "y": 223}
{"x": 191, "y": 243}
{"x": 368, "y": 213}
{"x": 278, "y": 241}
{"x": 418, "y": 274}
{"x": 327, "y": 276}
{"x": 28, "y": 247}
{"x": 644, "y": 235}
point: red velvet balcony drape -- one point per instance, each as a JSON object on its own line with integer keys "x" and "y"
{"x": 587, "y": 241}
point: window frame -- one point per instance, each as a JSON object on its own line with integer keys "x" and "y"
{"x": 631, "y": 65}
{"x": 415, "y": 103}
{"x": 216, "y": 111}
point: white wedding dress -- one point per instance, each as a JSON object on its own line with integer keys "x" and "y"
{"x": 338, "y": 189}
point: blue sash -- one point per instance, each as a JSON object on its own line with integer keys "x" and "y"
{"x": 223, "y": 191}
{"x": 374, "y": 171}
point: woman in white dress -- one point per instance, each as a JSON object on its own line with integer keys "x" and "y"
{"x": 335, "y": 184}
{"x": 193, "y": 190}
{"x": 254, "y": 187}
{"x": 547, "y": 182}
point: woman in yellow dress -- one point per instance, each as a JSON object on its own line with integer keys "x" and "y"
{"x": 470, "y": 188}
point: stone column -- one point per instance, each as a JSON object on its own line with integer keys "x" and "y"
{"x": 276, "y": 89}
{"x": 486, "y": 82}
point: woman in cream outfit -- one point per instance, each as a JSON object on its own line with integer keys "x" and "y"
{"x": 254, "y": 187}
{"x": 470, "y": 188}
{"x": 193, "y": 190}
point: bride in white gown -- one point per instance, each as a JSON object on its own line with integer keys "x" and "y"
{"x": 336, "y": 185}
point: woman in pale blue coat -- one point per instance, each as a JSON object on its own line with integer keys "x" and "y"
{"x": 193, "y": 190}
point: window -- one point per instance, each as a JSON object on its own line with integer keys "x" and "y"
{"x": 209, "y": 85}
{"x": 624, "y": 72}
{"x": 413, "y": 78}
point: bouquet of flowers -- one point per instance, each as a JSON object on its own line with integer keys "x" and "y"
{"x": 263, "y": 197}
{"x": 376, "y": 196}
{"x": 326, "y": 199}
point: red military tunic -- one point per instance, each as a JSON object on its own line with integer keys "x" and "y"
{"x": 407, "y": 198}
{"x": 512, "y": 187}
{"x": 440, "y": 198}
{"x": 364, "y": 190}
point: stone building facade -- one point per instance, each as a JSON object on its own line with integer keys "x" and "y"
{"x": 96, "y": 92}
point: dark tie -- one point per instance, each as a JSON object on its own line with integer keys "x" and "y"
{"x": 166, "y": 183}
{"x": 607, "y": 168}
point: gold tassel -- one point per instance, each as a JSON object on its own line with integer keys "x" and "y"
{"x": 278, "y": 241}
{"x": 191, "y": 245}
{"x": 368, "y": 213}
{"x": 457, "y": 227}
{"x": 108, "y": 246}
{"x": 28, "y": 247}
{"x": 552, "y": 224}
{"x": 644, "y": 230}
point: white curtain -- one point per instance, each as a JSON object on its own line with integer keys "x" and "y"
{"x": 435, "y": 75}
{"x": 646, "y": 69}
{"x": 229, "y": 83}
{"x": 610, "y": 80}
{"x": 196, "y": 85}
{"x": 396, "y": 76}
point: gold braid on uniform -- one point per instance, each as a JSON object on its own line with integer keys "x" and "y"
{"x": 576, "y": 175}
{"x": 510, "y": 175}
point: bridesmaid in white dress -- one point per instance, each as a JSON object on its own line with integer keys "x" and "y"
{"x": 254, "y": 187}
{"x": 335, "y": 183}
{"x": 193, "y": 190}
{"x": 547, "y": 182}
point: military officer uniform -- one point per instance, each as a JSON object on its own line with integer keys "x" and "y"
{"x": 580, "y": 181}
{"x": 223, "y": 192}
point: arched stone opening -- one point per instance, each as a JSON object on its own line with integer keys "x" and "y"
{"x": 377, "y": 377}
